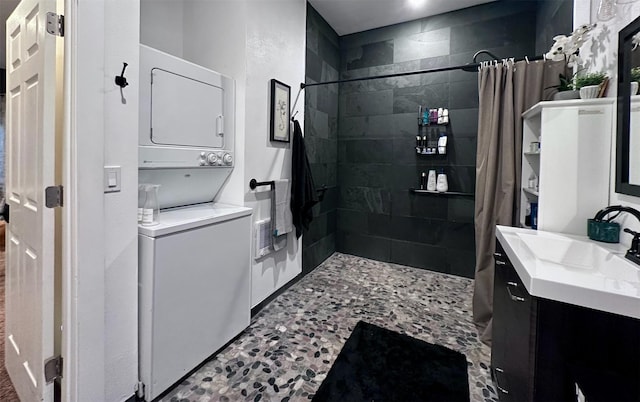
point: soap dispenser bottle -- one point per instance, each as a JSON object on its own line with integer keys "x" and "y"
{"x": 142, "y": 198}
{"x": 151, "y": 210}
{"x": 442, "y": 185}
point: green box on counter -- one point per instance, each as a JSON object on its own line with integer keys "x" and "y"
{"x": 608, "y": 232}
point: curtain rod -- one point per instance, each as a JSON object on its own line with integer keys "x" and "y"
{"x": 471, "y": 67}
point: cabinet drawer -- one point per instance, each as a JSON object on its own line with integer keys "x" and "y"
{"x": 500, "y": 256}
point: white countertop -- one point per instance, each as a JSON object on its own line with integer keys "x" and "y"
{"x": 537, "y": 108}
{"x": 581, "y": 285}
{"x": 190, "y": 217}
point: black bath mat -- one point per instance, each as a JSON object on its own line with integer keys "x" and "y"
{"x": 377, "y": 365}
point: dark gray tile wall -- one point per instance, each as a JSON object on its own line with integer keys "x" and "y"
{"x": 555, "y": 17}
{"x": 377, "y": 217}
{"x": 321, "y": 136}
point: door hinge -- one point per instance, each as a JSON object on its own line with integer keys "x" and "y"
{"x": 139, "y": 389}
{"x": 53, "y": 196}
{"x": 55, "y": 24}
{"x": 53, "y": 369}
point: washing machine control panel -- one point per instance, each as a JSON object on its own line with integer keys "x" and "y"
{"x": 216, "y": 158}
{"x": 155, "y": 157}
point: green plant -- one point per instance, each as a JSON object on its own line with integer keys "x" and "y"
{"x": 566, "y": 84}
{"x": 590, "y": 79}
{"x": 635, "y": 74}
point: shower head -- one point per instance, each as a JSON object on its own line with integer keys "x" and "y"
{"x": 479, "y": 52}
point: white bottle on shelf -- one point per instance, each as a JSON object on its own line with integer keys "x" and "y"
{"x": 533, "y": 181}
{"x": 442, "y": 185}
{"x": 431, "y": 181}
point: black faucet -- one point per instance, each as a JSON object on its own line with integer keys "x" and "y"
{"x": 633, "y": 254}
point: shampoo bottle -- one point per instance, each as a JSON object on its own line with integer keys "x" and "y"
{"x": 425, "y": 117}
{"x": 442, "y": 143}
{"x": 431, "y": 181}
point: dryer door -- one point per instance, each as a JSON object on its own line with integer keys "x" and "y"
{"x": 185, "y": 111}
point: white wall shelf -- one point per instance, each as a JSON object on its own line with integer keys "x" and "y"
{"x": 572, "y": 166}
{"x": 441, "y": 193}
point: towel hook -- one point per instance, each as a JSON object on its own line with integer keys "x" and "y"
{"x": 121, "y": 81}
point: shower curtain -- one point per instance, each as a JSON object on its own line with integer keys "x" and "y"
{"x": 505, "y": 89}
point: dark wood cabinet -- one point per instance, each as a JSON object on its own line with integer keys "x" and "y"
{"x": 541, "y": 349}
{"x": 514, "y": 329}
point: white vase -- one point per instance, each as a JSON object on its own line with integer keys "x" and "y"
{"x": 634, "y": 88}
{"x": 589, "y": 92}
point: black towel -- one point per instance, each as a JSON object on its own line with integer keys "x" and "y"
{"x": 303, "y": 190}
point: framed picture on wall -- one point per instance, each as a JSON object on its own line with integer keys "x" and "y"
{"x": 279, "y": 120}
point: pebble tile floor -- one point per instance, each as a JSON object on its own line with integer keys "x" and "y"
{"x": 291, "y": 344}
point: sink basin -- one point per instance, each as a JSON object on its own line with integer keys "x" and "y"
{"x": 573, "y": 269}
{"x": 582, "y": 255}
{"x": 563, "y": 250}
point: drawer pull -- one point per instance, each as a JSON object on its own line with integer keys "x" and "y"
{"x": 499, "y": 370}
{"x": 511, "y": 295}
{"x": 497, "y": 255}
{"x": 498, "y": 262}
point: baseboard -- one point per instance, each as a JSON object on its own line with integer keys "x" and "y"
{"x": 277, "y": 293}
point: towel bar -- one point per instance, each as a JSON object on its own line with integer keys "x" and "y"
{"x": 253, "y": 183}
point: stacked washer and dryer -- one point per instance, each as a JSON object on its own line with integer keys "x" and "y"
{"x": 194, "y": 263}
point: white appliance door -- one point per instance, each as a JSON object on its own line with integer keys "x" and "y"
{"x": 195, "y": 296}
{"x": 185, "y": 111}
{"x": 31, "y": 75}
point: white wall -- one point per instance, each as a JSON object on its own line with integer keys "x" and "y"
{"x": 276, "y": 34}
{"x": 601, "y": 54}
{"x": 253, "y": 41}
{"x": 161, "y": 25}
{"x": 120, "y": 209}
{"x": 103, "y": 131}
{"x": 215, "y": 37}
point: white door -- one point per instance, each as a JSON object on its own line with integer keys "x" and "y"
{"x": 30, "y": 168}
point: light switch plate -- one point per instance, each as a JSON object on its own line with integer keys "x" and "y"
{"x": 111, "y": 179}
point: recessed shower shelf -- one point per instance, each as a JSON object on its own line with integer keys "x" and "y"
{"x": 418, "y": 191}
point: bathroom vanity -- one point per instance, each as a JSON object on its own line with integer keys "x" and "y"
{"x": 566, "y": 313}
